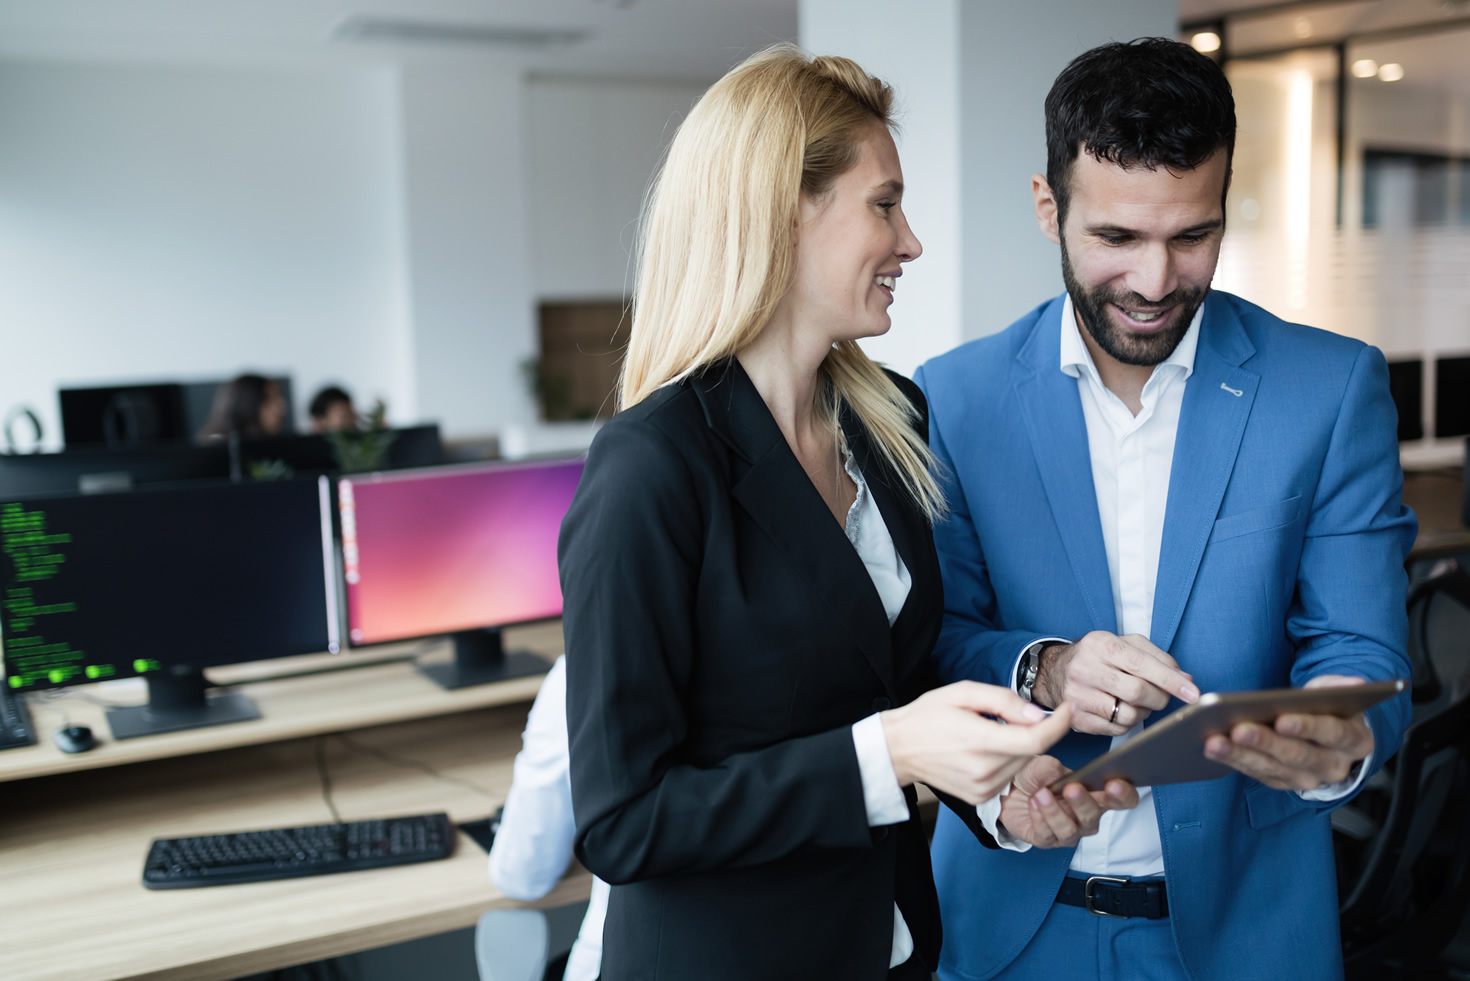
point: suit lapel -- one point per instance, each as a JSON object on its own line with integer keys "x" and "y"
{"x": 775, "y": 491}
{"x": 1217, "y": 402}
{"x": 1052, "y": 412}
{"x": 905, "y": 527}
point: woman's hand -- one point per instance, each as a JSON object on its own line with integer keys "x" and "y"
{"x": 1035, "y": 815}
{"x": 944, "y": 739}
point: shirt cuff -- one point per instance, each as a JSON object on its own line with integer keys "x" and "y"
{"x": 881, "y": 792}
{"x": 1016, "y": 667}
{"x": 989, "y": 812}
{"x": 1336, "y": 791}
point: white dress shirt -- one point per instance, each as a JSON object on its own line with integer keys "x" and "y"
{"x": 533, "y": 847}
{"x": 1132, "y": 457}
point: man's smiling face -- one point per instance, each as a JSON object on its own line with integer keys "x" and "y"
{"x": 1139, "y": 249}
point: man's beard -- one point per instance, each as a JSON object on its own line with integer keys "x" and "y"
{"x": 1119, "y": 343}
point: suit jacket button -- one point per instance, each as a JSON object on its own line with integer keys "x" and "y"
{"x": 881, "y": 704}
{"x": 880, "y": 832}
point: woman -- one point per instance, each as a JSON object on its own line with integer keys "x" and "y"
{"x": 751, "y": 589}
{"x": 251, "y": 405}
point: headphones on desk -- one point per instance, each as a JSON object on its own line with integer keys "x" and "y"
{"x": 37, "y": 432}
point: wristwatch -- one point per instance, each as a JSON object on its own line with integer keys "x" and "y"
{"x": 1026, "y": 669}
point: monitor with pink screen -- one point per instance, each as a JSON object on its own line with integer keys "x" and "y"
{"x": 456, "y": 551}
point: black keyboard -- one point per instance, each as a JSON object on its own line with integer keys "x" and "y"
{"x": 289, "y": 853}
{"x": 15, "y": 722}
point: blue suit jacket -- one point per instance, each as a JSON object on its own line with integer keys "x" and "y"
{"x": 1282, "y": 559}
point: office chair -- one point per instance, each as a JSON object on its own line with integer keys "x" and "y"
{"x": 526, "y": 944}
{"x": 510, "y": 945}
{"x": 1412, "y": 889}
{"x": 1444, "y": 579}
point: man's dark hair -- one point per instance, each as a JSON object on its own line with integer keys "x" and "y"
{"x": 322, "y": 402}
{"x": 1153, "y": 102}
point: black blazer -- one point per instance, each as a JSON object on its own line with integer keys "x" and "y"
{"x": 722, "y": 637}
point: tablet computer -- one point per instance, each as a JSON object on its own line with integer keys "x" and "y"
{"x": 1173, "y": 749}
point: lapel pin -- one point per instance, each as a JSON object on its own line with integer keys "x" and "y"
{"x": 1237, "y": 392}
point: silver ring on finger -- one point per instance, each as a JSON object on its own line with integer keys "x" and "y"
{"x": 1117, "y": 704}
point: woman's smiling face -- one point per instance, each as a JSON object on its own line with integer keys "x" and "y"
{"x": 851, "y": 245}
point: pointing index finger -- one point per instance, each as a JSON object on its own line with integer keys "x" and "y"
{"x": 1159, "y": 669}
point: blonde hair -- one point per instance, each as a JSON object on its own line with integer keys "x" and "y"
{"x": 716, "y": 247}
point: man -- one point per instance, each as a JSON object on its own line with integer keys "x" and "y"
{"x": 332, "y": 410}
{"x": 1157, "y": 491}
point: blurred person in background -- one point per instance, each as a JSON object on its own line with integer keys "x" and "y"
{"x": 533, "y": 844}
{"x": 332, "y": 410}
{"x": 250, "y": 406}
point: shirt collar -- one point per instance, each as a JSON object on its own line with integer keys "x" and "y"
{"x": 1076, "y": 358}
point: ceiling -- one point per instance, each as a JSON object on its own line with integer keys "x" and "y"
{"x": 1436, "y": 61}
{"x": 1255, "y": 26}
{"x": 696, "y": 39}
{"x": 654, "y": 38}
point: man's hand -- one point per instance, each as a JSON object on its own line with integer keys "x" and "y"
{"x": 1301, "y": 752}
{"x": 950, "y": 739}
{"x": 1034, "y": 814}
{"x": 1113, "y": 682}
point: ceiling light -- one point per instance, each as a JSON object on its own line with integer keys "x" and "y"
{"x": 364, "y": 28}
{"x": 1391, "y": 72}
{"x": 1205, "y": 42}
{"x": 1303, "y": 27}
{"x": 1365, "y": 68}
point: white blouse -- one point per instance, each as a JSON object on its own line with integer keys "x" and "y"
{"x": 885, "y": 802}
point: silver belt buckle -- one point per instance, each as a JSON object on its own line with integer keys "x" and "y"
{"x": 1087, "y": 895}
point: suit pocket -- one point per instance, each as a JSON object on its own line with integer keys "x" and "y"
{"x": 1256, "y": 519}
{"x": 1267, "y": 806}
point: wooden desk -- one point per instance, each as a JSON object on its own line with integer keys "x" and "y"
{"x": 388, "y": 689}
{"x": 72, "y": 848}
{"x": 1437, "y": 497}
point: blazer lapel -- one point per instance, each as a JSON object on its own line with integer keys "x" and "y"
{"x": 1052, "y": 412}
{"x": 1217, "y": 402}
{"x": 777, "y": 494}
{"x": 905, "y": 525}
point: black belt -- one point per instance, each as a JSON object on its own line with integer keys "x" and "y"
{"x": 1103, "y": 895}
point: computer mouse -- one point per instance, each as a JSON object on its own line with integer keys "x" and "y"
{"x": 75, "y": 739}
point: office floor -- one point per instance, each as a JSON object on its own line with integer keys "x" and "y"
{"x": 445, "y": 957}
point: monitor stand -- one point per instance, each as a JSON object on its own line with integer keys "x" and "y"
{"x": 177, "y": 700}
{"x": 480, "y": 658}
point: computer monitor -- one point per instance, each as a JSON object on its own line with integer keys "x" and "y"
{"x": 163, "y": 584}
{"x": 1451, "y": 397}
{"x": 303, "y": 453}
{"x": 123, "y": 415}
{"x": 459, "y": 551}
{"x": 415, "y": 446}
{"x": 1406, "y": 388}
{"x": 94, "y": 470}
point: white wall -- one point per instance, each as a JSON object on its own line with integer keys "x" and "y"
{"x": 387, "y": 228}
{"x": 919, "y": 55}
{"x": 1012, "y": 52}
{"x": 470, "y": 275}
{"x": 172, "y": 222}
{"x": 593, "y": 146}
